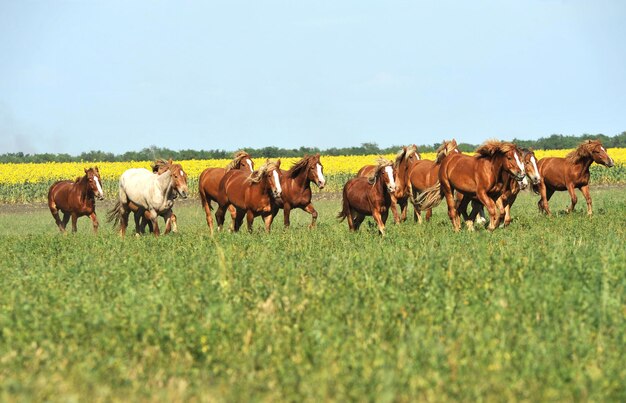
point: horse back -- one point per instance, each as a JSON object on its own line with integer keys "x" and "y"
{"x": 424, "y": 174}
{"x": 556, "y": 172}
{"x": 363, "y": 197}
{"x": 209, "y": 182}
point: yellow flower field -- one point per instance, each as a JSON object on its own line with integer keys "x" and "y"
{"x": 36, "y": 173}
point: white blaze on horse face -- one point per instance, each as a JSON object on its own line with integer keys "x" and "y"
{"x": 95, "y": 178}
{"x": 519, "y": 163}
{"x": 320, "y": 175}
{"x": 456, "y": 151}
{"x": 279, "y": 190}
{"x": 392, "y": 182}
{"x": 249, "y": 164}
{"x": 182, "y": 173}
{"x": 534, "y": 161}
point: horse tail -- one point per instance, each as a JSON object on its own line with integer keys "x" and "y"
{"x": 115, "y": 214}
{"x": 429, "y": 198}
{"x": 345, "y": 211}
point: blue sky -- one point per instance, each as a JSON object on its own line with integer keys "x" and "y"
{"x": 117, "y": 76}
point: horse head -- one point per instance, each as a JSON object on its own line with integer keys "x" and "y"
{"x": 600, "y": 155}
{"x": 242, "y": 161}
{"x": 270, "y": 171}
{"x": 386, "y": 172}
{"x": 407, "y": 157}
{"x": 93, "y": 175}
{"x": 509, "y": 154}
{"x": 447, "y": 147}
{"x": 179, "y": 178}
{"x": 315, "y": 171}
{"x": 530, "y": 166}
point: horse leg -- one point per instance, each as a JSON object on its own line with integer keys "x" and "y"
{"x": 206, "y": 204}
{"x": 456, "y": 224}
{"x": 219, "y": 217}
{"x": 139, "y": 223}
{"x": 404, "y": 204}
{"x": 377, "y": 216}
{"x": 491, "y": 208}
{"x": 152, "y": 216}
{"x": 268, "y": 222}
{"x": 94, "y": 221}
{"x": 167, "y": 217}
{"x": 394, "y": 210}
{"x": 358, "y": 220}
{"x": 311, "y": 210}
{"x": 572, "y": 194}
{"x": 249, "y": 219}
{"x": 429, "y": 213}
{"x": 545, "y": 194}
{"x": 500, "y": 210}
{"x": 57, "y": 219}
{"x": 384, "y": 216}
{"x": 585, "y": 190}
{"x": 507, "y": 209}
{"x": 461, "y": 211}
{"x": 233, "y": 215}
{"x": 350, "y": 219}
{"x": 286, "y": 212}
{"x": 66, "y": 219}
{"x": 173, "y": 222}
{"x": 74, "y": 220}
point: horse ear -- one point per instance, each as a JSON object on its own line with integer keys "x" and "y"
{"x": 278, "y": 163}
{"x": 317, "y": 155}
{"x": 169, "y": 161}
{"x": 86, "y": 170}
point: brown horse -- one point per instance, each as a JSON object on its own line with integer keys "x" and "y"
{"x": 570, "y": 173}
{"x": 296, "y": 186}
{"x": 403, "y": 164}
{"x": 369, "y": 197}
{"x": 76, "y": 199}
{"x": 479, "y": 176}
{"x": 159, "y": 167}
{"x": 254, "y": 194}
{"x": 425, "y": 174}
{"x": 209, "y": 183}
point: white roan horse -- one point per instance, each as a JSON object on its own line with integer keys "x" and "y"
{"x": 143, "y": 191}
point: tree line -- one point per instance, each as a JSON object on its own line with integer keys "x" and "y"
{"x": 553, "y": 142}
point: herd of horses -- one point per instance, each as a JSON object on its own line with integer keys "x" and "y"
{"x": 490, "y": 179}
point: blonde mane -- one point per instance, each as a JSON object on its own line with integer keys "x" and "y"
{"x": 381, "y": 163}
{"x": 404, "y": 154}
{"x": 295, "y": 169}
{"x": 583, "y": 151}
{"x": 160, "y": 165}
{"x": 492, "y": 147}
{"x": 256, "y": 176}
{"x": 444, "y": 149}
{"x": 237, "y": 157}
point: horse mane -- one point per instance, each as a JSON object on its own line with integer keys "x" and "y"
{"x": 295, "y": 169}
{"x": 492, "y": 147}
{"x": 381, "y": 163}
{"x": 444, "y": 149}
{"x": 583, "y": 151}
{"x": 256, "y": 176}
{"x": 158, "y": 164}
{"x": 404, "y": 153}
{"x": 237, "y": 157}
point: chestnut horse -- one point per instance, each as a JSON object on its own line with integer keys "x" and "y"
{"x": 142, "y": 190}
{"x": 209, "y": 183}
{"x": 403, "y": 164}
{"x": 479, "y": 176}
{"x": 252, "y": 195}
{"x": 159, "y": 167}
{"x": 369, "y": 197}
{"x": 570, "y": 173}
{"x": 76, "y": 199}
{"x": 425, "y": 174}
{"x": 296, "y": 186}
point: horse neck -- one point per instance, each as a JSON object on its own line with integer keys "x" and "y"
{"x": 379, "y": 185}
{"x": 403, "y": 174}
{"x": 583, "y": 164}
{"x": 302, "y": 180}
{"x": 165, "y": 182}
{"x": 82, "y": 186}
{"x": 497, "y": 168}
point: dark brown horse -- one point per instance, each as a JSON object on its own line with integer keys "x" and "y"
{"x": 296, "y": 186}
{"x": 369, "y": 197}
{"x": 570, "y": 173}
{"x": 479, "y": 176}
{"x": 252, "y": 195}
{"x": 209, "y": 183}
{"x": 403, "y": 164}
{"x": 425, "y": 174}
{"x": 76, "y": 199}
{"x": 159, "y": 167}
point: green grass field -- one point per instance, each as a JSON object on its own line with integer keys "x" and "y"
{"x": 536, "y": 311}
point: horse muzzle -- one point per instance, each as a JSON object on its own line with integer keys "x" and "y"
{"x": 391, "y": 189}
{"x": 276, "y": 194}
{"x": 321, "y": 184}
{"x": 100, "y": 196}
{"x": 610, "y": 164}
{"x": 183, "y": 194}
{"x": 535, "y": 179}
